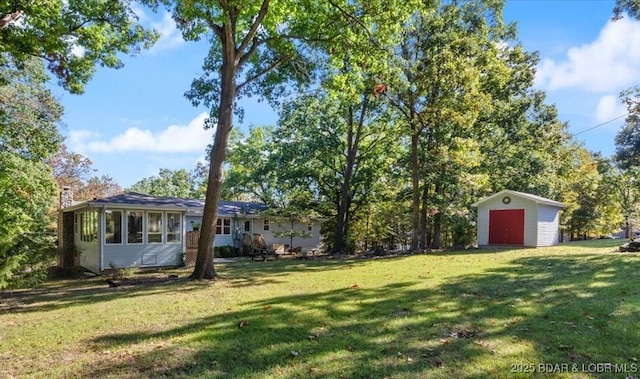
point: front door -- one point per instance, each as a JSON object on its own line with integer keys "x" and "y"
{"x": 506, "y": 227}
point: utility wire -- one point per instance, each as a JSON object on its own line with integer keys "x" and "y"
{"x": 599, "y": 125}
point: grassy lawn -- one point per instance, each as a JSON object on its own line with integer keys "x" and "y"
{"x": 572, "y": 309}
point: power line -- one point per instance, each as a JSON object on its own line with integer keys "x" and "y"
{"x": 599, "y": 125}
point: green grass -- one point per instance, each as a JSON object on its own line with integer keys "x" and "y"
{"x": 475, "y": 314}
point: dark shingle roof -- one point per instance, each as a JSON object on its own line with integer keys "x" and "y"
{"x": 194, "y": 206}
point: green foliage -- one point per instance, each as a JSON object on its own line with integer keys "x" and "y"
{"x": 119, "y": 273}
{"x": 28, "y": 137}
{"x": 258, "y": 47}
{"x": 71, "y": 36}
{"x": 628, "y": 139}
{"x": 169, "y": 183}
{"x": 630, "y": 7}
{"x": 251, "y": 174}
{"x": 448, "y": 70}
{"x": 224, "y": 252}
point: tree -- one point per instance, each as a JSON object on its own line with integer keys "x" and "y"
{"x": 628, "y": 139}
{"x": 98, "y": 187}
{"x": 339, "y": 145}
{"x": 442, "y": 62}
{"x": 255, "y": 46}
{"x": 169, "y": 183}
{"x": 631, "y": 7}
{"x": 28, "y": 137}
{"x": 70, "y": 169}
{"x": 71, "y": 36}
{"x": 251, "y": 175}
{"x": 73, "y": 170}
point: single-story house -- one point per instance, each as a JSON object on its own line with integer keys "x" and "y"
{"x": 137, "y": 230}
{"x": 518, "y": 219}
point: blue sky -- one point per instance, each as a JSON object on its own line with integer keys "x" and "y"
{"x": 133, "y": 121}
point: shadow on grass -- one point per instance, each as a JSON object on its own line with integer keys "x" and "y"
{"x": 575, "y": 310}
{"x": 59, "y": 294}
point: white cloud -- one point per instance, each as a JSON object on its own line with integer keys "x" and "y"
{"x": 609, "y": 63}
{"x": 173, "y": 139}
{"x": 170, "y": 36}
{"x": 609, "y": 107}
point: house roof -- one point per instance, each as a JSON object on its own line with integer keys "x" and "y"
{"x": 191, "y": 206}
{"x": 535, "y": 198}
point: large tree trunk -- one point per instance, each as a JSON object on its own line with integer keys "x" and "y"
{"x": 437, "y": 218}
{"x": 204, "y": 268}
{"x": 415, "y": 203}
{"x": 353, "y": 142}
{"x": 423, "y": 217}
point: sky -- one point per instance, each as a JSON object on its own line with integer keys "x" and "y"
{"x": 134, "y": 121}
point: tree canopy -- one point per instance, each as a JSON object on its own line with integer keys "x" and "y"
{"x": 28, "y": 137}
{"x": 72, "y": 37}
{"x": 255, "y": 47}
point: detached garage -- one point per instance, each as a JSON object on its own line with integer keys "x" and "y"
{"x": 518, "y": 219}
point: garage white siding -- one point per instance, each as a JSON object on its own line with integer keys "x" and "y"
{"x": 530, "y": 215}
{"x": 541, "y": 217}
{"x": 548, "y": 226}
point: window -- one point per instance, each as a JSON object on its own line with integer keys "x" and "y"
{"x": 223, "y": 226}
{"x": 89, "y": 226}
{"x": 266, "y": 224}
{"x": 154, "y": 227}
{"x": 134, "y": 227}
{"x": 75, "y": 222}
{"x": 310, "y": 227}
{"x": 247, "y": 226}
{"x": 174, "y": 227}
{"x": 113, "y": 226}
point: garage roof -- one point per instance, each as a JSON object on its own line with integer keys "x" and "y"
{"x": 528, "y": 196}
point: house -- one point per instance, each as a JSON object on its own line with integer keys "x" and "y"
{"x": 518, "y": 219}
{"x": 137, "y": 230}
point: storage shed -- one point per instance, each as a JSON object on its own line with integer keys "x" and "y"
{"x": 518, "y": 219}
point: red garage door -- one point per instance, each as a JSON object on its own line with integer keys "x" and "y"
{"x": 506, "y": 227}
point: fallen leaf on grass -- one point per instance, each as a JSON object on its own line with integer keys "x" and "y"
{"x": 266, "y": 307}
{"x": 295, "y": 353}
{"x": 355, "y": 286}
{"x": 242, "y": 324}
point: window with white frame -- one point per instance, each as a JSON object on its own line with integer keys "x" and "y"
{"x": 113, "y": 227}
{"x": 174, "y": 227}
{"x": 134, "y": 227}
{"x": 154, "y": 227}
{"x": 266, "y": 224}
{"x": 223, "y": 226}
{"x": 247, "y": 226}
{"x": 310, "y": 227}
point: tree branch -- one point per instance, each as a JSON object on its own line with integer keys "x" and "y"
{"x": 254, "y": 28}
{"x": 10, "y": 17}
{"x": 270, "y": 68}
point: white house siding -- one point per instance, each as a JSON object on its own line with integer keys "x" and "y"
{"x": 548, "y": 222}
{"x": 89, "y": 255}
{"x": 276, "y": 226}
{"x": 89, "y": 252}
{"x": 143, "y": 255}
{"x": 257, "y": 227}
{"x": 530, "y": 215}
